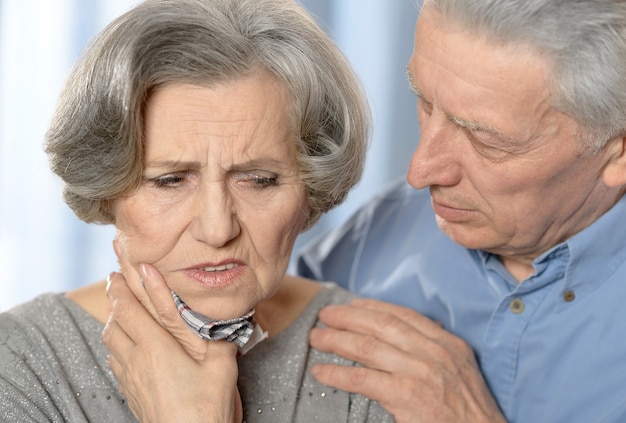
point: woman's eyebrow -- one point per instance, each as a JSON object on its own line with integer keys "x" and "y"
{"x": 174, "y": 164}
{"x": 193, "y": 165}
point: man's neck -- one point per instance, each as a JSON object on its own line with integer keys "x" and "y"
{"x": 520, "y": 270}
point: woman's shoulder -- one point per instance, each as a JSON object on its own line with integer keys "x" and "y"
{"x": 48, "y": 321}
{"x": 44, "y": 308}
{"x": 53, "y": 364}
{"x": 328, "y": 293}
{"x": 31, "y": 313}
{"x": 335, "y": 294}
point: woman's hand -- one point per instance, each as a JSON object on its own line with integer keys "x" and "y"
{"x": 166, "y": 372}
{"x": 413, "y": 367}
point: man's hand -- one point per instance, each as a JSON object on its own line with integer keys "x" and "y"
{"x": 414, "y": 368}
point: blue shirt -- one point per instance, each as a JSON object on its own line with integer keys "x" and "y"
{"x": 552, "y": 348}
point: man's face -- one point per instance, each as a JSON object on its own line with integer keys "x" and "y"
{"x": 504, "y": 167}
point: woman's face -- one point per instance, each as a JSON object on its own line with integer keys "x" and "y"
{"x": 220, "y": 204}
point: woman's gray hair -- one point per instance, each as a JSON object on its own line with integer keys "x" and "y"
{"x": 95, "y": 143}
{"x": 583, "y": 40}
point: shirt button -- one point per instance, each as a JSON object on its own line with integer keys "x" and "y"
{"x": 516, "y": 305}
{"x": 569, "y": 296}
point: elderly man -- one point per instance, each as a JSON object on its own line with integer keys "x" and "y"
{"x": 510, "y": 241}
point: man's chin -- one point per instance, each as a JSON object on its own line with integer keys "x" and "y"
{"x": 467, "y": 236}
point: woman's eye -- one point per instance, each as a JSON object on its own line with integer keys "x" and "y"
{"x": 264, "y": 181}
{"x": 167, "y": 181}
{"x": 256, "y": 179}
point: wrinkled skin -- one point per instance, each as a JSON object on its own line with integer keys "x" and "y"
{"x": 214, "y": 219}
{"x": 507, "y": 174}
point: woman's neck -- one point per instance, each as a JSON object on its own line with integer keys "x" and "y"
{"x": 279, "y": 311}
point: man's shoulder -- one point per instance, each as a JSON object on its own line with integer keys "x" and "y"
{"x": 401, "y": 193}
{"x": 398, "y": 205}
{"x": 391, "y": 225}
{"x": 397, "y": 209}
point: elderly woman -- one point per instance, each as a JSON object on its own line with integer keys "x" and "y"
{"x": 210, "y": 133}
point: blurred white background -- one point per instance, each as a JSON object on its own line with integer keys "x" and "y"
{"x": 43, "y": 247}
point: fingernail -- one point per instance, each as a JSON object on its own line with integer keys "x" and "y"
{"x": 109, "y": 278}
{"x": 142, "y": 273}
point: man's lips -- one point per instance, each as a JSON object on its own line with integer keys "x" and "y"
{"x": 451, "y": 213}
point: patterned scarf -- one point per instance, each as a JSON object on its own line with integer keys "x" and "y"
{"x": 244, "y": 330}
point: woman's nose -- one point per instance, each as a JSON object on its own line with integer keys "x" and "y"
{"x": 216, "y": 222}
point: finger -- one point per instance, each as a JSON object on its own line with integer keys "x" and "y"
{"x": 408, "y": 399}
{"x": 116, "y": 340}
{"x": 238, "y": 407}
{"x": 133, "y": 279}
{"x": 161, "y": 298}
{"x": 132, "y": 317}
{"x": 428, "y": 336}
{"x": 424, "y": 324}
{"x": 117, "y": 369}
{"x": 418, "y": 321}
{"x": 377, "y": 385}
{"x": 387, "y": 327}
{"x": 365, "y": 349}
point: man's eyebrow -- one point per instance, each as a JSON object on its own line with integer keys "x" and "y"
{"x": 412, "y": 85}
{"x": 477, "y": 126}
{"x": 470, "y": 125}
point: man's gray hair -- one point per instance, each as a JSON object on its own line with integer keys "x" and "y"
{"x": 583, "y": 40}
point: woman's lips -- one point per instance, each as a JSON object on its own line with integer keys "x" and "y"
{"x": 216, "y": 276}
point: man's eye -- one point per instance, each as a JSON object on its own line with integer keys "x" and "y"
{"x": 424, "y": 106}
{"x": 167, "y": 181}
{"x": 489, "y": 149}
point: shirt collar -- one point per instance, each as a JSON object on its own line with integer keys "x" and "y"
{"x": 597, "y": 251}
{"x": 588, "y": 258}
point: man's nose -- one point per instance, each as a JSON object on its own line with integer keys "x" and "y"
{"x": 436, "y": 160}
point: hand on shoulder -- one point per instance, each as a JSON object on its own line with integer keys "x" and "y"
{"x": 413, "y": 367}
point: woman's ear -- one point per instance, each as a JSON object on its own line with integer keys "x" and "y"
{"x": 614, "y": 174}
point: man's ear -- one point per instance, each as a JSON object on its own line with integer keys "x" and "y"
{"x": 614, "y": 174}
